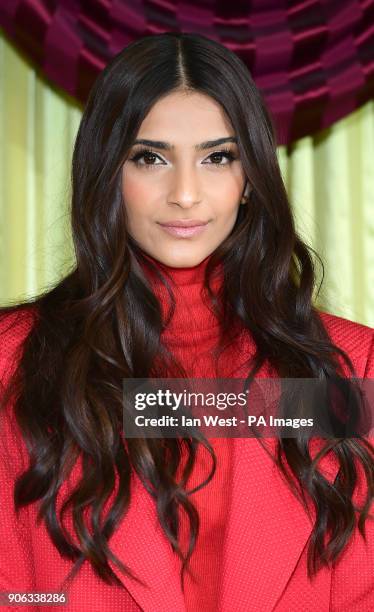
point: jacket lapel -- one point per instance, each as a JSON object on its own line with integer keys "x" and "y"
{"x": 141, "y": 545}
{"x": 266, "y": 534}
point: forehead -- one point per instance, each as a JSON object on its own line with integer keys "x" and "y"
{"x": 183, "y": 117}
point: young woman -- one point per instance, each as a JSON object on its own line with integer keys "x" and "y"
{"x": 175, "y": 133}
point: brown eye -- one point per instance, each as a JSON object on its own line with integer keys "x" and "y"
{"x": 217, "y": 157}
{"x": 149, "y": 158}
{"x": 146, "y": 158}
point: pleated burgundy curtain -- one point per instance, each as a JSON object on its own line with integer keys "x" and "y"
{"x": 312, "y": 59}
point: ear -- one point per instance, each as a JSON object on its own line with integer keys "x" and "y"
{"x": 246, "y": 194}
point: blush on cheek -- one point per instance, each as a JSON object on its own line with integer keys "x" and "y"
{"x": 130, "y": 189}
{"x": 131, "y": 185}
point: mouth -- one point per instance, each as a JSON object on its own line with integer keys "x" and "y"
{"x": 184, "y": 223}
{"x": 184, "y": 228}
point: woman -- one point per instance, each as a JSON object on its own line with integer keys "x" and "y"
{"x": 175, "y": 132}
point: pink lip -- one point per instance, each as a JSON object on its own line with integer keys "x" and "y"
{"x": 184, "y": 223}
{"x": 184, "y": 231}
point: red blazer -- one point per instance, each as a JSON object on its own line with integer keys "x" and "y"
{"x": 264, "y": 560}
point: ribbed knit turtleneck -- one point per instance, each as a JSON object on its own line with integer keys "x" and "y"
{"x": 191, "y": 335}
{"x": 193, "y": 331}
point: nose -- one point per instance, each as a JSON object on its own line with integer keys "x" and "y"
{"x": 185, "y": 189}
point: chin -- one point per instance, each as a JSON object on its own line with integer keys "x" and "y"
{"x": 184, "y": 262}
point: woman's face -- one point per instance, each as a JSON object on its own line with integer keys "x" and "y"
{"x": 179, "y": 173}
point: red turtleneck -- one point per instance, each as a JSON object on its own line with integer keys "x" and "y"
{"x": 191, "y": 335}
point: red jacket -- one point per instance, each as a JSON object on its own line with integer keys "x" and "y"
{"x": 265, "y": 546}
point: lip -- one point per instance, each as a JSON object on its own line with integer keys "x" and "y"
{"x": 184, "y": 229}
{"x": 184, "y": 223}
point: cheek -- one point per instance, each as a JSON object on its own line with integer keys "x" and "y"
{"x": 137, "y": 197}
{"x": 133, "y": 189}
{"x": 227, "y": 187}
{"x": 226, "y": 201}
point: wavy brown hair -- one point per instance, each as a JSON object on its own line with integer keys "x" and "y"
{"x": 102, "y": 322}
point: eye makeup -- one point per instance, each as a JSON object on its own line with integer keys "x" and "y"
{"x": 145, "y": 153}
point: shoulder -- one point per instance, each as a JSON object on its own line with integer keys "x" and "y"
{"x": 16, "y": 321}
{"x": 356, "y": 339}
{"x": 15, "y": 326}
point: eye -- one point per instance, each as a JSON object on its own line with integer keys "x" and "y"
{"x": 147, "y": 154}
{"x": 147, "y": 158}
{"x": 217, "y": 157}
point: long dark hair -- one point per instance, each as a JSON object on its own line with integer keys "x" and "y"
{"x": 102, "y": 322}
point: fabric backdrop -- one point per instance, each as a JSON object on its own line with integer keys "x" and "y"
{"x": 312, "y": 59}
{"x": 329, "y": 177}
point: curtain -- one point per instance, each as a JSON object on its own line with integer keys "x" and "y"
{"x": 328, "y": 176}
{"x": 312, "y": 59}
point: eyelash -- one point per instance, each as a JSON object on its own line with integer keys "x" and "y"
{"x": 139, "y": 154}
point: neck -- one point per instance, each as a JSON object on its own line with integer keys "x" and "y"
{"x": 193, "y": 308}
{"x": 188, "y": 275}
{"x": 193, "y": 332}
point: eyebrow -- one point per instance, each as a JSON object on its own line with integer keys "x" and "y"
{"x": 166, "y": 146}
